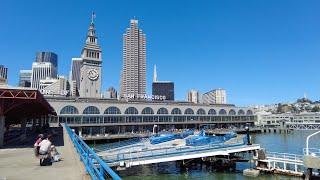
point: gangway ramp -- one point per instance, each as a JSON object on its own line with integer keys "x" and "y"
{"x": 150, "y": 156}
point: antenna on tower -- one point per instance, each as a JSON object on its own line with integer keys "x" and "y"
{"x": 155, "y": 73}
{"x": 93, "y": 16}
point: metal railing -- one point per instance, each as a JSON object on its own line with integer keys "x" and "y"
{"x": 285, "y": 156}
{"x": 311, "y": 151}
{"x": 166, "y": 152}
{"x": 95, "y": 166}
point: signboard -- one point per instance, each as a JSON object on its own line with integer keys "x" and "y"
{"x": 145, "y": 96}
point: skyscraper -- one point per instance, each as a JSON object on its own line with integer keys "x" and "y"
{"x": 216, "y": 96}
{"x": 90, "y": 72}
{"x": 48, "y": 57}
{"x": 75, "y": 76}
{"x": 3, "y": 75}
{"x": 193, "y": 96}
{"x": 25, "y": 78}
{"x": 162, "y": 90}
{"x": 133, "y": 74}
{"x": 40, "y": 71}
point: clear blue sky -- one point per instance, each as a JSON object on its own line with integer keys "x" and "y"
{"x": 260, "y": 51}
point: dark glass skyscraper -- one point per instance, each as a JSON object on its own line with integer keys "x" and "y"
{"x": 163, "y": 88}
{"x": 48, "y": 57}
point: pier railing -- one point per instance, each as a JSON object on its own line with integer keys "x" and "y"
{"x": 311, "y": 151}
{"x": 285, "y": 157}
{"x": 95, "y": 166}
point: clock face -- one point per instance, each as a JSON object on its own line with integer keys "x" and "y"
{"x": 93, "y": 74}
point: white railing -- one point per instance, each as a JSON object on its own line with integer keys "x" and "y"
{"x": 312, "y": 151}
{"x": 285, "y": 156}
{"x": 307, "y": 142}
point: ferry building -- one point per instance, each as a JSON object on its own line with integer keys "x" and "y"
{"x": 91, "y": 116}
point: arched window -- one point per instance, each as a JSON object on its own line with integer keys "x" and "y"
{"x": 249, "y": 112}
{"x": 176, "y": 111}
{"x": 131, "y": 110}
{"x": 69, "y": 110}
{"x": 147, "y": 110}
{"x": 162, "y": 111}
{"x": 91, "y": 110}
{"x": 112, "y": 110}
{"x": 188, "y": 111}
{"x": 241, "y": 112}
{"x": 232, "y": 112}
{"x": 201, "y": 111}
{"x": 222, "y": 112}
{"x": 212, "y": 112}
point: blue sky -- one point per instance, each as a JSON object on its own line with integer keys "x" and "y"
{"x": 260, "y": 51}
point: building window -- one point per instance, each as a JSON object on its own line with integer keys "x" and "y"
{"x": 232, "y": 112}
{"x": 188, "y": 111}
{"x": 222, "y": 112}
{"x": 131, "y": 110}
{"x": 147, "y": 110}
{"x": 212, "y": 112}
{"x": 176, "y": 111}
{"x": 91, "y": 110}
{"x": 69, "y": 110}
{"x": 112, "y": 110}
{"x": 201, "y": 111}
{"x": 162, "y": 111}
{"x": 241, "y": 112}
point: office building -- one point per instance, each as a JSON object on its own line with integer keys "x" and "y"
{"x": 3, "y": 75}
{"x": 48, "y": 57}
{"x": 25, "y": 78}
{"x": 216, "y": 96}
{"x": 133, "y": 74}
{"x": 41, "y": 71}
{"x": 193, "y": 96}
{"x": 75, "y": 76}
{"x": 90, "y": 71}
{"x": 162, "y": 90}
{"x": 54, "y": 87}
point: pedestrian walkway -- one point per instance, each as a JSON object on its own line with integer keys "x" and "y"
{"x": 20, "y": 163}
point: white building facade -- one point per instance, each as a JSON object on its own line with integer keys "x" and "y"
{"x": 193, "y": 96}
{"x": 133, "y": 74}
{"x": 41, "y": 71}
{"x": 216, "y": 96}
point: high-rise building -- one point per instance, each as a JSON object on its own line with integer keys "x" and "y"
{"x": 3, "y": 75}
{"x": 193, "y": 96}
{"x": 216, "y": 96}
{"x": 90, "y": 71}
{"x": 162, "y": 90}
{"x": 25, "y": 78}
{"x": 48, "y": 57}
{"x": 111, "y": 93}
{"x": 40, "y": 71}
{"x": 75, "y": 76}
{"x": 54, "y": 87}
{"x": 133, "y": 74}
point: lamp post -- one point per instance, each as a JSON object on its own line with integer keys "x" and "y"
{"x": 248, "y": 135}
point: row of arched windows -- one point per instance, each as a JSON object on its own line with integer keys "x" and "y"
{"x": 148, "y": 110}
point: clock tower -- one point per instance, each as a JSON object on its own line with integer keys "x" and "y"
{"x": 90, "y": 71}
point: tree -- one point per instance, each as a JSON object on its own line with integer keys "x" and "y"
{"x": 315, "y": 109}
